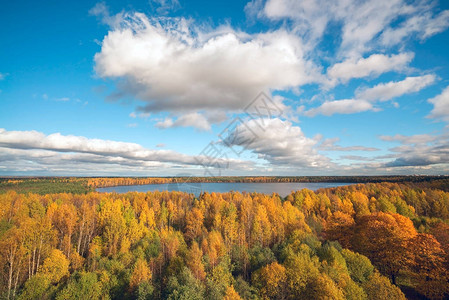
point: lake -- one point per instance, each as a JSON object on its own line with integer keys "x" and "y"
{"x": 282, "y": 188}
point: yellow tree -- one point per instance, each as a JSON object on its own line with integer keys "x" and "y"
{"x": 141, "y": 273}
{"x": 55, "y": 266}
{"x": 12, "y": 252}
{"x": 194, "y": 261}
{"x": 194, "y": 224}
{"x": 64, "y": 219}
{"x": 261, "y": 230}
{"x": 231, "y": 294}
{"x": 39, "y": 238}
{"x": 229, "y": 225}
{"x": 271, "y": 281}
{"x": 86, "y": 225}
{"x": 294, "y": 219}
{"x": 113, "y": 225}
{"x": 214, "y": 247}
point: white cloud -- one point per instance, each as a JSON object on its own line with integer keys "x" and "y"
{"x": 440, "y": 106}
{"x": 409, "y": 140}
{"x": 393, "y": 89}
{"x": 346, "y": 106}
{"x": 32, "y": 151}
{"x": 421, "y": 26}
{"x": 371, "y": 66}
{"x": 2, "y": 76}
{"x": 79, "y": 144}
{"x": 38, "y": 151}
{"x": 101, "y": 10}
{"x": 63, "y": 99}
{"x": 165, "y": 6}
{"x": 142, "y": 115}
{"x": 45, "y": 162}
{"x": 419, "y": 150}
{"x": 174, "y": 66}
{"x": 363, "y": 25}
{"x": 187, "y": 120}
{"x": 366, "y": 98}
{"x": 131, "y": 125}
{"x": 330, "y": 145}
{"x": 361, "y": 21}
{"x": 278, "y": 142}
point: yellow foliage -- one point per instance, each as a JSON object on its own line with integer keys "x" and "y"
{"x": 231, "y": 294}
{"x": 55, "y": 266}
{"x": 140, "y": 274}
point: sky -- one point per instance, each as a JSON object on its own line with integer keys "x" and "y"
{"x": 221, "y": 88}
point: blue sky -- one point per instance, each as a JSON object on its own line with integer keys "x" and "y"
{"x": 164, "y": 87}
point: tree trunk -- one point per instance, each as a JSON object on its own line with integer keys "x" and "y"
{"x": 34, "y": 261}
{"x": 17, "y": 278}
{"x": 80, "y": 235}
{"x": 39, "y": 254}
{"x": 29, "y": 266}
{"x": 11, "y": 266}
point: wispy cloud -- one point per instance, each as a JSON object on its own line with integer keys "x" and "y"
{"x": 330, "y": 145}
{"x": 419, "y": 150}
{"x": 37, "y": 150}
{"x": 371, "y": 66}
{"x": 346, "y": 106}
{"x": 365, "y": 99}
{"x": 187, "y": 120}
{"x": 101, "y": 10}
{"x": 440, "y": 106}
{"x": 164, "y": 7}
{"x": 365, "y": 25}
{"x": 394, "y": 89}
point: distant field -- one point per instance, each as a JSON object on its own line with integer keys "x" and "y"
{"x": 45, "y": 185}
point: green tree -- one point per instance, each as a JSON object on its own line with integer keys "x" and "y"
{"x": 82, "y": 285}
{"x": 185, "y": 287}
{"x": 37, "y": 287}
{"x": 359, "y": 266}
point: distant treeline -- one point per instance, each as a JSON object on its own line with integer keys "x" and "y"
{"x": 114, "y": 181}
{"x": 82, "y": 185}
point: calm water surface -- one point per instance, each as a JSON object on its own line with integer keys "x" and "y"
{"x": 282, "y": 188}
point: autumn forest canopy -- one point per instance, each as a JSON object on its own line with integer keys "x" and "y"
{"x": 386, "y": 240}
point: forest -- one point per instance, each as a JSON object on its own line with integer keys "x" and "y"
{"x": 363, "y": 241}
